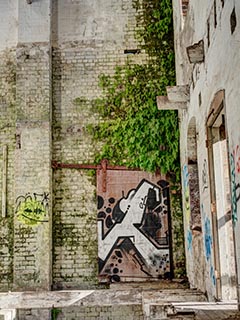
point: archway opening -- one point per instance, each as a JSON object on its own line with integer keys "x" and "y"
{"x": 195, "y": 214}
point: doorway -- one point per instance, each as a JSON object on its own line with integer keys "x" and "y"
{"x": 134, "y": 233}
{"x": 221, "y": 200}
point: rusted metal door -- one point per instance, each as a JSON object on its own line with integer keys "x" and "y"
{"x": 133, "y": 225}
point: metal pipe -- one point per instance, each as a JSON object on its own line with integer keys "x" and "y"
{"x": 58, "y": 165}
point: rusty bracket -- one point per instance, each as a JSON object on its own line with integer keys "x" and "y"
{"x": 104, "y": 164}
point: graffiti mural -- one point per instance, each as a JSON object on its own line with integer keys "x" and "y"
{"x": 235, "y": 178}
{"x": 31, "y": 209}
{"x": 133, "y": 230}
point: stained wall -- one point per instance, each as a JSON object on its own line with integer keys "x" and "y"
{"x": 216, "y": 23}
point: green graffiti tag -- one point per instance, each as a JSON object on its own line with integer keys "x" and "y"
{"x": 30, "y": 210}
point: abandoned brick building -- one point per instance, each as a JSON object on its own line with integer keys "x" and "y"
{"x": 52, "y": 53}
{"x": 54, "y": 234}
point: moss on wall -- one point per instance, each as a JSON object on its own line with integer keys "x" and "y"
{"x": 179, "y": 268}
{"x": 7, "y": 137}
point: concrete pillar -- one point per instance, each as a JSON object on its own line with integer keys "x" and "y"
{"x": 32, "y": 222}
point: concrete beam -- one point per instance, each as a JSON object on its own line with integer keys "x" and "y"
{"x": 195, "y": 52}
{"x": 178, "y": 93}
{"x": 163, "y": 103}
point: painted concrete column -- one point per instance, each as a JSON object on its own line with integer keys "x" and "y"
{"x": 32, "y": 222}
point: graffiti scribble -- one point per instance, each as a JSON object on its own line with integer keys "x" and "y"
{"x": 204, "y": 176}
{"x": 235, "y": 186}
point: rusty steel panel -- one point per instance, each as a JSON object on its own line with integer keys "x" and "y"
{"x": 133, "y": 225}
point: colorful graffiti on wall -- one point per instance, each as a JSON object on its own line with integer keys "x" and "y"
{"x": 208, "y": 245}
{"x": 235, "y": 181}
{"x": 31, "y": 209}
{"x": 207, "y": 238}
{"x": 133, "y": 233}
{"x": 186, "y": 203}
{"x": 189, "y": 240}
{"x": 186, "y": 192}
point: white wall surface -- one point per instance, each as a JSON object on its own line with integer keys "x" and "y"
{"x": 34, "y": 21}
{"x": 102, "y": 20}
{"x": 8, "y": 23}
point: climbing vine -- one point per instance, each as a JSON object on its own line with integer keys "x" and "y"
{"x": 134, "y": 132}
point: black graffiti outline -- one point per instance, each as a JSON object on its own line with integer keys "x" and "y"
{"x": 163, "y": 187}
{"x": 160, "y": 188}
{"x": 204, "y": 176}
{"x": 124, "y": 213}
{"x": 237, "y": 186}
{"x": 137, "y": 255}
{"x": 104, "y": 235}
{"x": 164, "y": 192}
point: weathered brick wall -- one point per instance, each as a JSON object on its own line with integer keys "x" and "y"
{"x": 115, "y": 312}
{"x": 48, "y": 84}
{"x": 32, "y": 164}
{"x": 94, "y": 49}
{"x": 33, "y": 314}
{"x": 178, "y": 252}
{"x": 7, "y": 138}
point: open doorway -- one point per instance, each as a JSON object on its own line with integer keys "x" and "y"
{"x": 196, "y": 261}
{"x": 221, "y": 199}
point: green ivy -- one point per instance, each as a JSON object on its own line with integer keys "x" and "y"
{"x": 135, "y": 133}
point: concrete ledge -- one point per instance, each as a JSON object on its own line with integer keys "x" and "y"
{"x": 178, "y": 93}
{"x": 164, "y": 103}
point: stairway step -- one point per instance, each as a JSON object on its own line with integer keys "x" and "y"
{"x": 182, "y": 314}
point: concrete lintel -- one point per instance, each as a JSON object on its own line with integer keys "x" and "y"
{"x": 195, "y": 52}
{"x": 178, "y": 93}
{"x": 163, "y": 103}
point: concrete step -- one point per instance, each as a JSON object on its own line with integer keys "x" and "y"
{"x": 151, "y": 285}
{"x": 184, "y": 314}
{"x": 129, "y": 304}
{"x": 167, "y": 311}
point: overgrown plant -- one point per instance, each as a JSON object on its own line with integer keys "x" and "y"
{"x": 54, "y": 313}
{"x": 134, "y": 131}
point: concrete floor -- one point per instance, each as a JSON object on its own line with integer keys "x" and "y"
{"x": 210, "y": 310}
{"x": 151, "y": 296}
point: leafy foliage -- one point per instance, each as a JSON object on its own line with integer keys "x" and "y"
{"x": 54, "y": 313}
{"x": 134, "y": 131}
